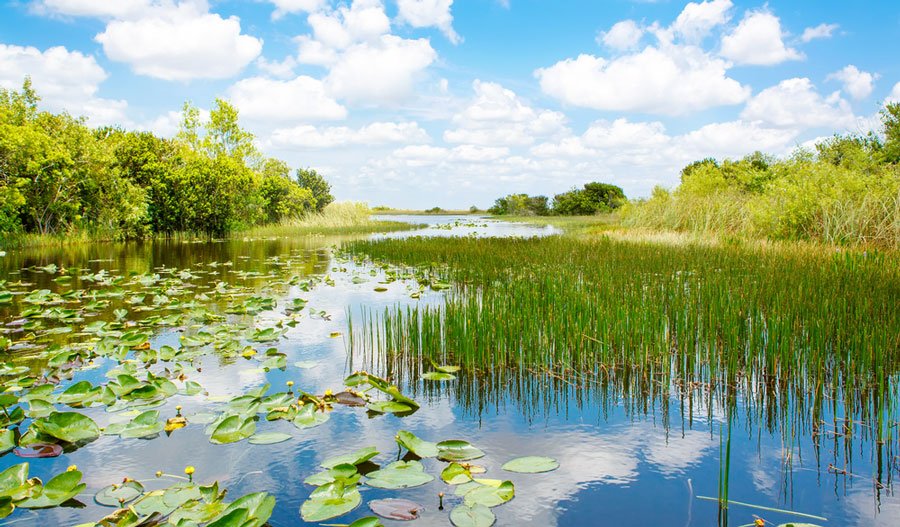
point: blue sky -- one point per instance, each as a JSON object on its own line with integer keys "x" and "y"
{"x": 421, "y": 103}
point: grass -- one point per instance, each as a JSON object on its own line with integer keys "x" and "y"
{"x": 796, "y": 334}
{"x": 345, "y": 217}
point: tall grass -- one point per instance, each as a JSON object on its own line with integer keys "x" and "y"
{"x": 791, "y": 336}
{"x": 342, "y": 217}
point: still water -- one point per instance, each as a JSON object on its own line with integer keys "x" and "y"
{"x": 622, "y": 462}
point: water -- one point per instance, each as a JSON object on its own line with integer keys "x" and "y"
{"x": 622, "y": 463}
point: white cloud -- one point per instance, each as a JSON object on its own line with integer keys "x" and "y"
{"x": 281, "y": 69}
{"x": 820, "y": 31}
{"x": 180, "y": 42}
{"x": 622, "y": 133}
{"x": 379, "y": 133}
{"x": 382, "y": 71}
{"x": 363, "y": 21}
{"x": 670, "y": 80}
{"x": 795, "y": 103}
{"x": 274, "y": 100}
{"x": 284, "y": 7}
{"x": 758, "y": 40}
{"x": 895, "y": 94}
{"x": 735, "y": 139}
{"x": 859, "y": 84}
{"x": 429, "y": 13}
{"x": 497, "y": 116}
{"x": 65, "y": 80}
{"x": 92, "y": 8}
{"x": 696, "y": 20}
{"x": 622, "y": 35}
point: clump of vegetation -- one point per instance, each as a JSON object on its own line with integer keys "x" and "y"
{"x": 846, "y": 192}
{"x": 594, "y": 198}
{"x": 59, "y": 176}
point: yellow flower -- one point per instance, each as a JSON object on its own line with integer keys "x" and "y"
{"x": 328, "y": 393}
{"x": 72, "y": 468}
{"x": 290, "y": 383}
{"x": 159, "y": 473}
{"x": 189, "y": 470}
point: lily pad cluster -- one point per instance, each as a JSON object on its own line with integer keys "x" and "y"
{"x": 337, "y": 486}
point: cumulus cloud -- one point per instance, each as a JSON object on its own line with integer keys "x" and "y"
{"x": 795, "y": 103}
{"x": 895, "y": 94}
{"x": 284, "y": 7}
{"x": 180, "y": 42}
{"x": 820, "y": 31}
{"x": 669, "y": 80}
{"x": 859, "y": 84}
{"x": 623, "y": 36}
{"x": 429, "y": 13}
{"x": 696, "y": 20}
{"x": 382, "y": 71}
{"x": 735, "y": 139}
{"x": 92, "y": 8}
{"x": 65, "y": 80}
{"x": 758, "y": 40}
{"x": 302, "y": 98}
{"x": 497, "y": 116}
{"x": 379, "y": 133}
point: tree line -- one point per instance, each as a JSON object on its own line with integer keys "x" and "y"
{"x": 58, "y": 175}
{"x": 593, "y": 198}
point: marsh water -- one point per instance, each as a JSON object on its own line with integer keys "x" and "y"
{"x": 625, "y": 459}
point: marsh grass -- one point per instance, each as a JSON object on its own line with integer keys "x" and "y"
{"x": 794, "y": 338}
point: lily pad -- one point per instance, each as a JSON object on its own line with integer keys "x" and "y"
{"x": 57, "y": 491}
{"x": 531, "y": 465}
{"x": 39, "y": 450}
{"x": 269, "y": 438}
{"x": 396, "y": 509}
{"x": 438, "y": 376}
{"x": 7, "y": 440}
{"x": 399, "y": 475}
{"x": 456, "y": 474}
{"x": 71, "y": 427}
{"x": 114, "y": 495}
{"x": 457, "y": 450}
{"x": 477, "y": 516}
{"x": 344, "y": 473}
{"x": 233, "y": 429}
{"x": 489, "y": 495}
{"x": 309, "y": 416}
{"x": 389, "y": 407}
{"x": 330, "y": 501}
{"x": 354, "y": 458}
{"x": 414, "y": 444}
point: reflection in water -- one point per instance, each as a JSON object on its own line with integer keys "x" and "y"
{"x": 634, "y": 449}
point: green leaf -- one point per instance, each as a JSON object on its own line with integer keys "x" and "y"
{"x": 477, "y": 516}
{"x": 417, "y": 446}
{"x": 7, "y": 440}
{"x": 309, "y": 416}
{"x": 254, "y": 510}
{"x": 456, "y": 474}
{"x": 489, "y": 495}
{"x": 113, "y": 495}
{"x": 354, "y": 458}
{"x": 393, "y": 407}
{"x": 457, "y": 450}
{"x": 531, "y": 465}
{"x": 330, "y": 501}
{"x": 146, "y": 424}
{"x": 399, "y": 475}
{"x": 269, "y": 438}
{"x": 71, "y": 427}
{"x": 438, "y": 376}
{"x": 233, "y": 429}
{"x": 346, "y": 473}
{"x": 57, "y": 491}
{"x": 14, "y": 483}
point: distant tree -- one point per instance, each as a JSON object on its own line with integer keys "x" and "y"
{"x": 520, "y": 205}
{"x": 890, "y": 119}
{"x": 690, "y": 168}
{"x": 283, "y": 198}
{"x": 317, "y": 185}
{"x": 592, "y": 199}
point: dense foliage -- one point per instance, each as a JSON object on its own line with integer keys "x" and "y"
{"x": 57, "y": 175}
{"x": 846, "y": 191}
{"x": 592, "y": 199}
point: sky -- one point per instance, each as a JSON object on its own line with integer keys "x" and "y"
{"x": 423, "y": 103}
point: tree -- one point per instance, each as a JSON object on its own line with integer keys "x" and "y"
{"x": 284, "y": 198}
{"x": 890, "y": 120}
{"x": 320, "y": 188}
{"x": 593, "y": 198}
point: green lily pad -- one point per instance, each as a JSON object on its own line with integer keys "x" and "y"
{"x": 114, "y": 495}
{"x": 457, "y": 450}
{"x": 368, "y": 521}
{"x": 7, "y": 440}
{"x": 438, "y": 376}
{"x": 399, "y": 475}
{"x": 71, "y": 427}
{"x": 269, "y": 438}
{"x": 531, "y": 465}
{"x": 456, "y": 474}
{"x": 57, "y": 491}
{"x": 146, "y": 424}
{"x": 489, "y": 495}
{"x": 233, "y": 429}
{"x": 417, "y": 446}
{"x": 476, "y": 516}
{"x": 309, "y": 416}
{"x": 354, "y": 458}
{"x": 252, "y": 510}
{"x": 330, "y": 501}
{"x": 346, "y": 473}
{"x": 389, "y": 407}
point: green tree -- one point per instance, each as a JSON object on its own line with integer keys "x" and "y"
{"x": 284, "y": 198}
{"x": 317, "y": 185}
{"x": 890, "y": 120}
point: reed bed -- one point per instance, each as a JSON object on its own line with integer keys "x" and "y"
{"x": 800, "y": 340}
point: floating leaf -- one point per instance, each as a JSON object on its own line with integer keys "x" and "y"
{"x": 531, "y": 465}
{"x": 39, "y": 450}
{"x": 368, "y": 521}
{"x": 354, "y": 458}
{"x": 233, "y": 429}
{"x": 389, "y": 407}
{"x": 477, "y": 516}
{"x": 399, "y": 475}
{"x": 114, "y": 495}
{"x": 349, "y": 399}
{"x": 456, "y": 474}
{"x": 71, "y": 427}
{"x": 269, "y": 438}
{"x": 57, "y": 491}
{"x": 489, "y": 495}
{"x": 438, "y": 376}
{"x": 330, "y": 501}
{"x": 396, "y": 509}
{"x": 7, "y": 440}
{"x": 417, "y": 446}
{"x": 309, "y": 416}
{"x": 344, "y": 473}
{"x": 457, "y": 450}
